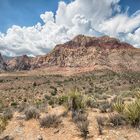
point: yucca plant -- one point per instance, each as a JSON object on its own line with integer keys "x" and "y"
{"x": 138, "y": 95}
{"x": 119, "y": 106}
{"x": 132, "y": 113}
{"x": 76, "y": 101}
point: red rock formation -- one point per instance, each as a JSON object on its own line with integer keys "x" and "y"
{"x": 84, "y": 52}
{"x": 100, "y": 53}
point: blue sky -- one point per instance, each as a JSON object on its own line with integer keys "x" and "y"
{"x": 24, "y": 12}
{"x": 27, "y": 12}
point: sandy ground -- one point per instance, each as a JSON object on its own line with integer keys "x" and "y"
{"x": 67, "y": 130}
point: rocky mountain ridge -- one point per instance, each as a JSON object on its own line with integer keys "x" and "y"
{"x": 83, "y": 51}
{"x": 3, "y": 65}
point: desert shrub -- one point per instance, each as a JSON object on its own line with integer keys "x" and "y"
{"x": 102, "y": 121}
{"x": 50, "y": 121}
{"x": 3, "y": 123}
{"x": 138, "y": 95}
{"x": 64, "y": 114}
{"x": 79, "y": 116}
{"x": 22, "y": 107}
{"x": 1, "y": 80}
{"x": 104, "y": 106}
{"x": 116, "y": 119}
{"x": 1, "y": 106}
{"x": 34, "y": 84}
{"x": 132, "y": 113}
{"x": 31, "y": 112}
{"x": 47, "y": 97}
{"x": 62, "y": 99}
{"x": 80, "y": 119}
{"x": 100, "y": 124}
{"x": 53, "y": 101}
{"x": 54, "y": 92}
{"x": 83, "y": 127}
{"x": 14, "y": 104}
{"x": 91, "y": 102}
{"x": 7, "y": 114}
{"x": 119, "y": 106}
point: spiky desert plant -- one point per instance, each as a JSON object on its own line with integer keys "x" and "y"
{"x": 138, "y": 95}
{"x": 76, "y": 101}
{"x": 132, "y": 113}
{"x": 119, "y": 106}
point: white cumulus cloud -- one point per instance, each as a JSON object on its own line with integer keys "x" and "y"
{"x": 89, "y": 17}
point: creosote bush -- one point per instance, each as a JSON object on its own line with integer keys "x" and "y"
{"x": 50, "y": 121}
{"x": 31, "y": 113}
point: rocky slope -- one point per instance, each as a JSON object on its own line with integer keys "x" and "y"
{"x": 3, "y": 65}
{"x": 98, "y": 53}
{"x": 84, "y": 52}
{"x": 19, "y": 63}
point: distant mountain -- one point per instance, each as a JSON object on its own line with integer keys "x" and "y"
{"x": 84, "y": 52}
{"x": 3, "y": 65}
{"x": 19, "y": 63}
{"x": 98, "y": 53}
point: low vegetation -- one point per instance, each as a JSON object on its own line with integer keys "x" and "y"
{"x": 50, "y": 121}
{"x": 31, "y": 113}
{"x": 113, "y": 95}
